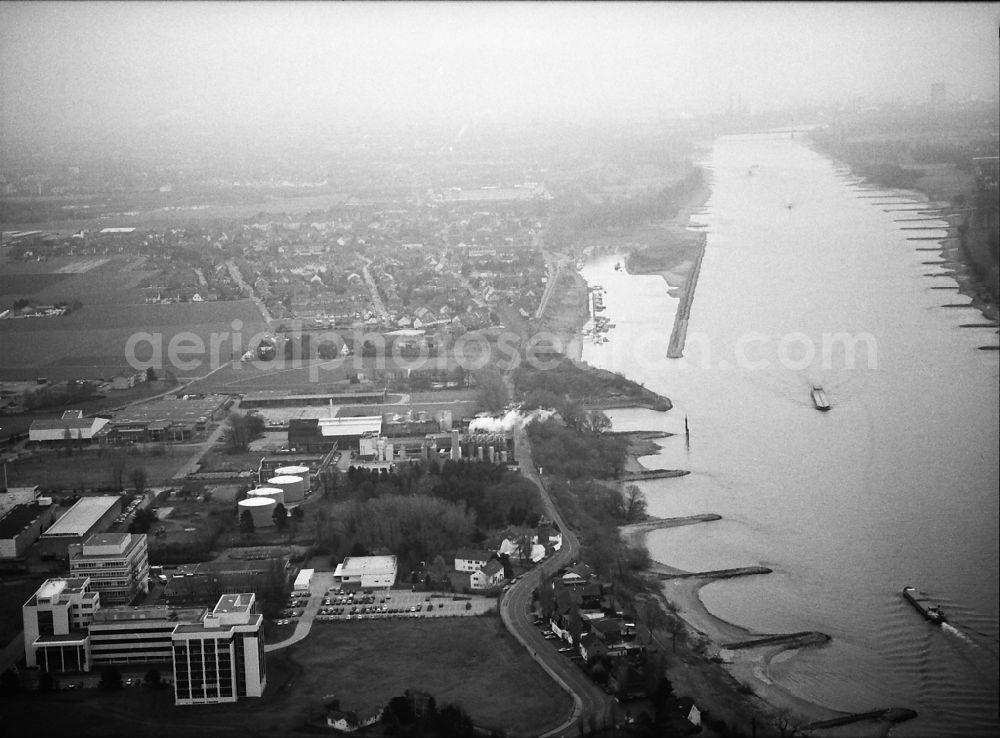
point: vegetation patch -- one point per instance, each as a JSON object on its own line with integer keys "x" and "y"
{"x": 581, "y": 384}
{"x": 471, "y": 662}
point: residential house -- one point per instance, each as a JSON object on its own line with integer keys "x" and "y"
{"x": 577, "y": 575}
{"x": 471, "y": 560}
{"x": 488, "y": 576}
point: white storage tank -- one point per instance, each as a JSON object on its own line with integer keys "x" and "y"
{"x": 292, "y": 471}
{"x": 294, "y": 487}
{"x": 275, "y": 493}
{"x": 261, "y": 510}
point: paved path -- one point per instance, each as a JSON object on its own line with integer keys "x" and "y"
{"x": 191, "y": 465}
{"x": 590, "y": 704}
{"x": 321, "y": 582}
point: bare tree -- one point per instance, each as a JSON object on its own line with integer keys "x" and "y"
{"x": 635, "y": 503}
{"x": 117, "y": 464}
{"x": 139, "y": 478}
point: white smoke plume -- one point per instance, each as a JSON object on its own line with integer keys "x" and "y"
{"x": 506, "y": 422}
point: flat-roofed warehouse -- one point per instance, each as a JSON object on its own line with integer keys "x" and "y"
{"x": 21, "y": 526}
{"x": 276, "y": 398}
{"x": 71, "y": 426}
{"x": 356, "y": 572}
{"x": 169, "y": 419}
{"x": 88, "y": 516}
{"x": 308, "y": 434}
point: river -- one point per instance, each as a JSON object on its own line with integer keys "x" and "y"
{"x": 895, "y": 485}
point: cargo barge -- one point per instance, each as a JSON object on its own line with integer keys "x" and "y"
{"x": 819, "y": 398}
{"x": 924, "y": 606}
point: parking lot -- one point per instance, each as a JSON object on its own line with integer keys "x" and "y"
{"x": 380, "y": 603}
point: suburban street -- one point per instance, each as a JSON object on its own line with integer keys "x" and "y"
{"x": 591, "y": 706}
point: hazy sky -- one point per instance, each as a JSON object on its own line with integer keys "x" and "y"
{"x": 219, "y": 62}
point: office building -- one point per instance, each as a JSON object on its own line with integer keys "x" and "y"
{"x": 116, "y": 563}
{"x": 221, "y": 658}
{"x": 137, "y": 635}
{"x": 55, "y": 620}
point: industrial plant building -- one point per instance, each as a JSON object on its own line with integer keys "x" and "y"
{"x": 88, "y": 516}
{"x": 24, "y": 514}
{"x": 72, "y": 426}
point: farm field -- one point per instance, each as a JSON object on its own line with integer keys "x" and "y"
{"x": 89, "y": 279}
{"x": 304, "y": 375}
{"x": 93, "y": 342}
{"x": 469, "y": 661}
{"x": 81, "y": 211}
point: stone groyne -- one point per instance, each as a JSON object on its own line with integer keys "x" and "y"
{"x": 678, "y": 336}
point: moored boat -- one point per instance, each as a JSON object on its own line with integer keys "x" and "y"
{"x": 923, "y": 605}
{"x": 819, "y": 398}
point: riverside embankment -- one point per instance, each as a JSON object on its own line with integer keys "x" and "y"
{"x": 678, "y": 335}
{"x": 859, "y": 488}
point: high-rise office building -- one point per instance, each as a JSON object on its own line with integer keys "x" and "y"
{"x": 221, "y": 658}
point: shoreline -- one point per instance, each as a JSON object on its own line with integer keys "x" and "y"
{"x": 731, "y": 684}
{"x": 950, "y": 246}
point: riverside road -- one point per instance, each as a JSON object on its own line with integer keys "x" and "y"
{"x": 591, "y": 706}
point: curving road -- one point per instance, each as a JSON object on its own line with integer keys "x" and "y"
{"x": 591, "y": 706}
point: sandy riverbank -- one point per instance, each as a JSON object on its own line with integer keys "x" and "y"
{"x": 641, "y": 443}
{"x": 731, "y": 685}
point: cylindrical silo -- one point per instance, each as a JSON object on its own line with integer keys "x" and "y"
{"x": 261, "y": 510}
{"x": 294, "y": 487}
{"x": 275, "y": 493}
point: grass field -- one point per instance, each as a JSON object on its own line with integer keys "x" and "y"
{"x": 92, "y": 280}
{"x": 90, "y": 469}
{"x": 469, "y": 661}
{"x": 95, "y": 340}
{"x": 473, "y": 662}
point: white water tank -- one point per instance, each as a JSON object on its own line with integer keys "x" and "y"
{"x": 261, "y": 510}
{"x": 293, "y": 486}
{"x": 275, "y": 493}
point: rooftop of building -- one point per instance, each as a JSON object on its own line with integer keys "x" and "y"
{"x": 74, "y": 636}
{"x": 350, "y": 426}
{"x": 18, "y": 518}
{"x": 472, "y": 554}
{"x": 15, "y": 496}
{"x": 171, "y": 410}
{"x": 106, "y": 539}
{"x": 279, "y": 395}
{"x": 229, "y": 603}
{"x": 368, "y": 564}
{"x": 64, "y": 423}
{"x": 79, "y": 519}
{"x": 149, "y": 612}
{"x": 57, "y": 587}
